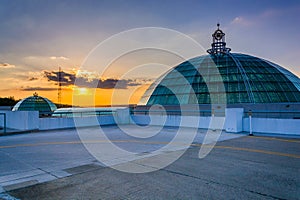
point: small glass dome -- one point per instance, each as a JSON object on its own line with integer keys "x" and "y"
{"x": 35, "y": 103}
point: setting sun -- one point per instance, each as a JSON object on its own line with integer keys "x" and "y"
{"x": 81, "y": 91}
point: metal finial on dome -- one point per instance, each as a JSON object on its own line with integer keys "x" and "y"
{"x": 219, "y": 44}
{"x": 35, "y": 94}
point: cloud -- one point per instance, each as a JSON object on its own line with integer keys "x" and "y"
{"x": 271, "y": 13}
{"x": 6, "y": 66}
{"x": 68, "y": 79}
{"x": 37, "y": 63}
{"x": 59, "y": 58}
{"x": 32, "y": 79}
{"x": 260, "y": 18}
{"x": 38, "y": 89}
{"x": 241, "y": 21}
{"x": 117, "y": 84}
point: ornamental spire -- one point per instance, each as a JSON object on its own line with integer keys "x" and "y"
{"x": 219, "y": 44}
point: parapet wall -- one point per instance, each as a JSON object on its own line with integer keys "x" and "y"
{"x": 21, "y": 120}
{"x": 234, "y": 121}
{"x": 63, "y": 123}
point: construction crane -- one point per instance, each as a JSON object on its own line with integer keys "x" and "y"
{"x": 59, "y": 87}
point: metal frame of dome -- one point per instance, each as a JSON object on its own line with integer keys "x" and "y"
{"x": 247, "y": 79}
{"x": 35, "y": 103}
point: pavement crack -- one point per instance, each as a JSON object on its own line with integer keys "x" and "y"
{"x": 5, "y": 196}
{"x": 266, "y": 195}
{"x": 218, "y": 183}
{"x": 48, "y": 173}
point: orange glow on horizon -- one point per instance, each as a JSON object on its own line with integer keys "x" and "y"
{"x": 92, "y": 97}
{"x": 85, "y": 96}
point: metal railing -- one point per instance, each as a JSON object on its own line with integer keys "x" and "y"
{"x": 283, "y": 114}
{"x": 180, "y": 112}
{"x": 82, "y": 114}
{"x": 295, "y": 114}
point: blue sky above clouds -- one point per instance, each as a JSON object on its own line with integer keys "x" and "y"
{"x": 35, "y": 35}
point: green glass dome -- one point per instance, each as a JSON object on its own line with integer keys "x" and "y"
{"x": 245, "y": 78}
{"x": 223, "y": 77}
{"x": 35, "y": 103}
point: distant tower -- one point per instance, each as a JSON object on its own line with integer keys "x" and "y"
{"x": 59, "y": 87}
{"x": 219, "y": 44}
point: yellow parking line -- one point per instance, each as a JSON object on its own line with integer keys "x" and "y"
{"x": 248, "y": 149}
{"x": 82, "y": 142}
{"x": 259, "y": 151}
{"x": 136, "y": 141}
{"x": 277, "y": 139}
{"x": 38, "y": 144}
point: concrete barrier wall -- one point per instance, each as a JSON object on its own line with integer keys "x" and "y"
{"x": 122, "y": 116}
{"x": 177, "y": 120}
{"x": 21, "y": 120}
{"x": 270, "y": 125}
{"x": 259, "y": 125}
{"x": 61, "y": 123}
{"x": 55, "y": 123}
{"x": 29, "y": 120}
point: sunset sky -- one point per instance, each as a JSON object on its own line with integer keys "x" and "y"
{"x": 38, "y": 37}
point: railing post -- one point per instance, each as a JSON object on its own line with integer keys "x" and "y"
{"x": 250, "y": 123}
{"x": 4, "y": 122}
{"x": 213, "y": 118}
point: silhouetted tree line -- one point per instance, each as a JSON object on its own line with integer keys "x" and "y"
{"x": 64, "y": 105}
{"x": 8, "y": 101}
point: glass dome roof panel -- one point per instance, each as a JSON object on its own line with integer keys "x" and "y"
{"x": 247, "y": 79}
{"x": 35, "y": 103}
